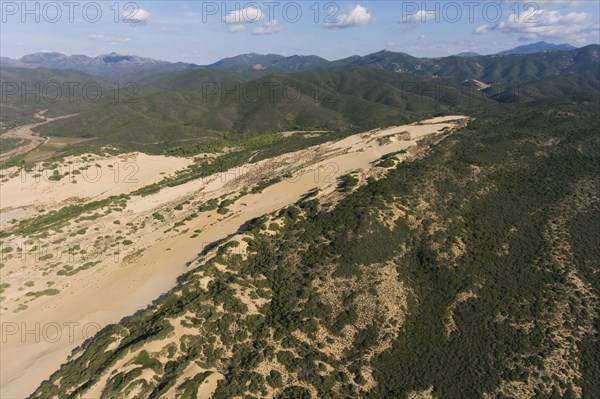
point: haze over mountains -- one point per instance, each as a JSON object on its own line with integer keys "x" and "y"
{"x": 295, "y": 63}
{"x": 114, "y": 64}
{"x": 538, "y": 47}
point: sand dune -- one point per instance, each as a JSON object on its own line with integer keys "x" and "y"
{"x": 98, "y": 178}
{"x": 113, "y": 289}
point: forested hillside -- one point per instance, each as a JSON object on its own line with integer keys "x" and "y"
{"x": 507, "y": 68}
{"x": 24, "y": 92}
{"x": 210, "y": 106}
{"x": 470, "y": 271}
{"x": 231, "y": 100}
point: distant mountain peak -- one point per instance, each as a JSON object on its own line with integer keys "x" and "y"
{"x": 538, "y": 47}
{"x": 468, "y": 54}
{"x": 43, "y": 55}
{"x": 111, "y": 64}
{"x": 293, "y": 63}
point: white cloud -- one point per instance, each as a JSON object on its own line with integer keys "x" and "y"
{"x": 419, "y": 16}
{"x": 481, "y": 29}
{"x": 111, "y": 39}
{"x": 244, "y": 15}
{"x": 575, "y": 27}
{"x": 137, "y": 17}
{"x": 428, "y": 46}
{"x": 268, "y": 28}
{"x": 237, "y": 28}
{"x": 351, "y": 16}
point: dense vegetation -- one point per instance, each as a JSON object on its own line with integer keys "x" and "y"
{"x": 230, "y": 101}
{"x": 471, "y": 271}
{"x": 501, "y": 69}
{"x": 211, "y": 112}
{"x": 24, "y": 92}
{"x": 8, "y": 144}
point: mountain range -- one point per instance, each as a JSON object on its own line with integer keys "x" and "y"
{"x": 357, "y": 93}
{"x": 175, "y": 103}
{"x": 295, "y": 63}
{"x": 138, "y": 68}
{"x": 538, "y": 47}
{"x": 109, "y": 65}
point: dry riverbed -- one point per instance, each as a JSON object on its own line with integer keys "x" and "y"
{"x": 26, "y": 134}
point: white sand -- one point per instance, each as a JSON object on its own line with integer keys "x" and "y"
{"x": 103, "y": 178}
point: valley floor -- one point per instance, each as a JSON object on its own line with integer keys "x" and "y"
{"x": 31, "y": 140}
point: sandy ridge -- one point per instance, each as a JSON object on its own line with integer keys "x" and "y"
{"x": 112, "y": 290}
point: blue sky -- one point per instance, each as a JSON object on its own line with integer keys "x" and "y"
{"x": 205, "y": 31}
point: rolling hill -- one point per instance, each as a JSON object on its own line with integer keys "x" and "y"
{"x": 26, "y": 91}
{"x": 508, "y": 68}
{"x": 198, "y": 107}
{"x": 377, "y": 90}
{"x": 295, "y": 63}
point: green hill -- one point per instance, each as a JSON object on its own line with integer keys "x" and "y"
{"x": 26, "y": 91}
{"x": 206, "y": 105}
{"x": 211, "y": 105}
{"x": 489, "y": 68}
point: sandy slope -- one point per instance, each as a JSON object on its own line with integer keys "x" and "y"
{"x": 114, "y": 289}
{"x": 102, "y": 178}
